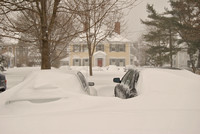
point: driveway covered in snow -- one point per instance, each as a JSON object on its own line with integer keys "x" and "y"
{"x": 168, "y": 103}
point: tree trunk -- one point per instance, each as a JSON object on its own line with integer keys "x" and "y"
{"x": 170, "y": 47}
{"x": 45, "y": 52}
{"x": 198, "y": 62}
{"x": 160, "y": 62}
{"x": 90, "y": 65}
{"x": 45, "y": 55}
{"x": 192, "y": 63}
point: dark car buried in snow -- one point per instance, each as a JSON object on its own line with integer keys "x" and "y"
{"x": 126, "y": 87}
{"x": 2, "y": 83}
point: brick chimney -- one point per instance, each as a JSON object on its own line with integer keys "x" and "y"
{"x": 117, "y": 27}
{"x": 85, "y": 27}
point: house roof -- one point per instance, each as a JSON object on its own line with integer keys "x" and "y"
{"x": 183, "y": 46}
{"x": 118, "y": 38}
{"x": 113, "y": 38}
{"x": 8, "y": 54}
{"x": 10, "y": 41}
{"x": 65, "y": 59}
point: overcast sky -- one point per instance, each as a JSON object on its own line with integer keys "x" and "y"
{"x": 134, "y": 27}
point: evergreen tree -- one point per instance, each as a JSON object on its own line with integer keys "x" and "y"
{"x": 161, "y": 36}
{"x": 186, "y": 20}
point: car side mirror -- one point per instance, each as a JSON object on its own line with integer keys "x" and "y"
{"x": 91, "y": 83}
{"x": 117, "y": 80}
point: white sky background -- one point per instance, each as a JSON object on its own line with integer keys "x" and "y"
{"x": 134, "y": 27}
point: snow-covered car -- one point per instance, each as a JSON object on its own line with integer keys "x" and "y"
{"x": 132, "y": 83}
{"x": 2, "y": 83}
{"x": 50, "y": 85}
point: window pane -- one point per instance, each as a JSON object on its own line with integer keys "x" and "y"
{"x": 122, "y": 47}
{"x": 85, "y": 62}
{"x": 100, "y": 47}
{"x": 117, "y": 47}
{"x": 76, "y": 48}
{"x": 112, "y": 61}
{"x": 77, "y": 62}
{"x": 125, "y": 77}
{"x": 83, "y": 80}
{"x": 112, "y": 47}
{"x": 85, "y": 48}
{"x": 129, "y": 79}
{"x": 122, "y": 62}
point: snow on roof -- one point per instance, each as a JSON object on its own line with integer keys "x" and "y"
{"x": 114, "y": 38}
{"x": 65, "y": 59}
{"x": 118, "y": 38}
{"x": 11, "y": 41}
{"x": 82, "y": 37}
{"x": 8, "y": 54}
{"x": 183, "y": 45}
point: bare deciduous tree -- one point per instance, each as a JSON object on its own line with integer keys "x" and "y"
{"x": 35, "y": 18}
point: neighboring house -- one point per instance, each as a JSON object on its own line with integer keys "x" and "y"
{"x": 34, "y": 56}
{"x": 19, "y": 55}
{"x": 182, "y": 59}
{"x": 64, "y": 62}
{"x": 8, "y": 52}
{"x": 114, "y": 50}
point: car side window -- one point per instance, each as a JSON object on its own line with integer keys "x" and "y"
{"x": 133, "y": 79}
{"x": 136, "y": 77}
{"x": 129, "y": 78}
{"x": 83, "y": 80}
{"x": 125, "y": 77}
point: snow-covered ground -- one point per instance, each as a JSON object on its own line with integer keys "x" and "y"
{"x": 168, "y": 103}
{"x": 102, "y": 78}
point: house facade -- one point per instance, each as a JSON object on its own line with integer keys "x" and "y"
{"x": 7, "y": 52}
{"x": 182, "y": 58}
{"x": 114, "y": 50}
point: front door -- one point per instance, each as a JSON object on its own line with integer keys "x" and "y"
{"x": 100, "y": 62}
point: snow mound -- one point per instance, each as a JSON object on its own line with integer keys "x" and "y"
{"x": 47, "y": 84}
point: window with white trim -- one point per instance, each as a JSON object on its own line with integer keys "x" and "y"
{"x": 85, "y": 62}
{"x": 117, "y": 62}
{"x": 76, "y": 48}
{"x": 100, "y": 47}
{"x": 76, "y": 62}
{"x": 85, "y": 48}
{"x": 117, "y": 47}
